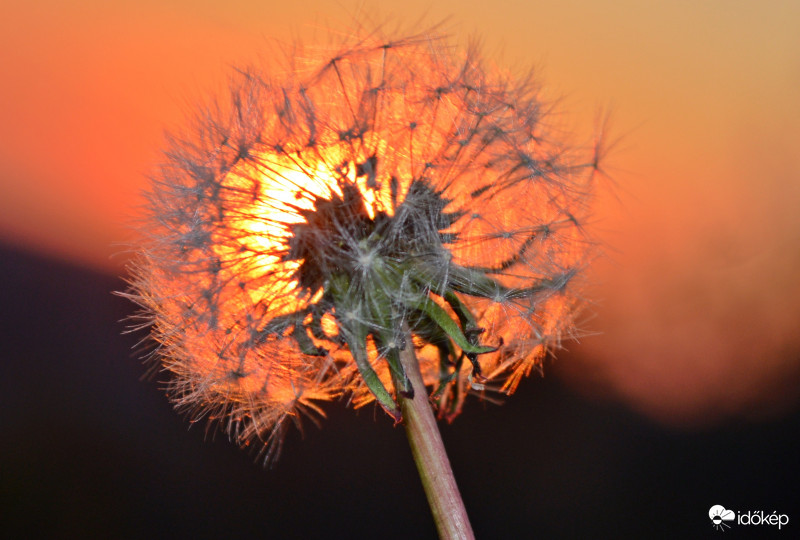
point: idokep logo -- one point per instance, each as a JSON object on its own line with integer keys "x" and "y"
{"x": 721, "y": 518}
{"x": 719, "y": 515}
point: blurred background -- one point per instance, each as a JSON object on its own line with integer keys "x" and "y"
{"x": 682, "y": 394}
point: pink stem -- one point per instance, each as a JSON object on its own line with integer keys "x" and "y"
{"x": 430, "y": 456}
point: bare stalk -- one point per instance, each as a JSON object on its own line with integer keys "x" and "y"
{"x": 430, "y": 456}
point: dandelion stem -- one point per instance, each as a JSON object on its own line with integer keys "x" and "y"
{"x": 448, "y": 509}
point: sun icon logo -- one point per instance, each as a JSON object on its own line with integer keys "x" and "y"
{"x": 719, "y": 516}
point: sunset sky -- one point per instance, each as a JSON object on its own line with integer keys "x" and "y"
{"x": 696, "y": 298}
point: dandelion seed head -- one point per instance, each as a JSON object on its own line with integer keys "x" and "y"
{"x": 306, "y": 218}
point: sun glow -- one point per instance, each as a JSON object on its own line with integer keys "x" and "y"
{"x": 269, "y": 193}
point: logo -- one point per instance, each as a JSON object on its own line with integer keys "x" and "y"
{"x": 722, "y": 518}
{"x": 719, "y": 515}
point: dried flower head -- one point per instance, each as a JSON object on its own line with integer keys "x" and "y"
{"x": 319, "y": 218}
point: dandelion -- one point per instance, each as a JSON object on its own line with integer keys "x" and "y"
{"x": 392, "y": 223}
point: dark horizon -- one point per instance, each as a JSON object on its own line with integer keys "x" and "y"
{"x": 90, "y": 450}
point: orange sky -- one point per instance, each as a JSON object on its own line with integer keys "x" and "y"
{"x": 697, "y": 297}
